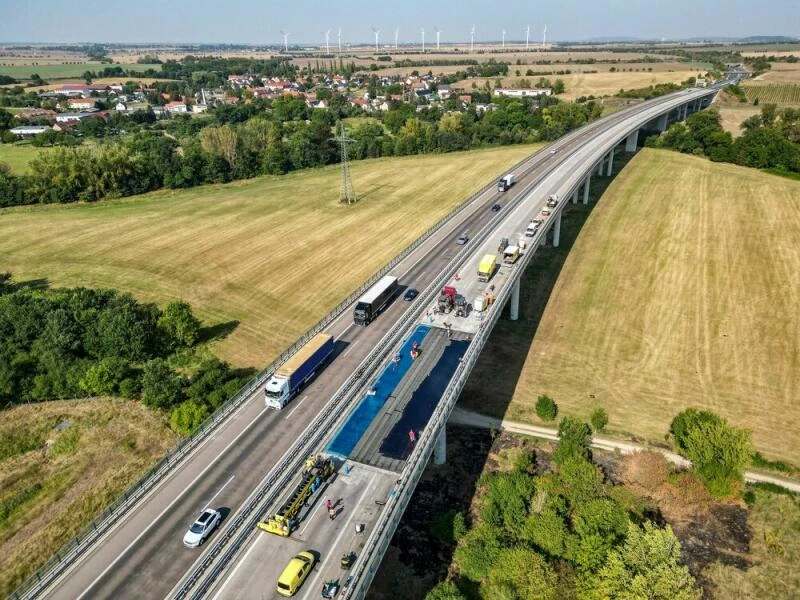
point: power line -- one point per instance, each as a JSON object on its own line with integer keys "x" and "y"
{"x": 346, "y": 193}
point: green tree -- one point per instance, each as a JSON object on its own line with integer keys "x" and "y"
{"x": 104, "y": 377}
{"x": 719, "y": 452}
{"x": 574, "y": 439}
{"x": 519, "y": 573}
{"x": 161, "y": 387}
{"x": 599, "y": 419}
{"x": 548, "y": 532}
{"x": 600, "y": 524}
{"x": 478, "y": 551}
{"x": 179, "y": 326}
{"x": 546, "y": 408}
{"x": 445, "y": 590}
{"x": 647, "y": 566}
{"x": 508, "y": 496}
{"x": 187, "y": 416}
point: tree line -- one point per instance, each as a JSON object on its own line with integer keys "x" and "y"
{"x": 79, "y": 342}
{"x": 275, "y": 137}
{"x": 770, "y": 140}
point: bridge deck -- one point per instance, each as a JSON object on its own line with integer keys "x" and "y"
{"x": 386, "y": 443}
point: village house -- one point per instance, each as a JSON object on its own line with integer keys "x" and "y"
{"x": 178, "y": 106}
{"x": 28, "y": 131}
{"x": 521, "y": 93}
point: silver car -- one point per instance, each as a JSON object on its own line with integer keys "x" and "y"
{"x": 202, "y": 528}
{"x": 462, "y": 239}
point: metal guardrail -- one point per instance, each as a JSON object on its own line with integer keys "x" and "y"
{"x": 218, "y": 557}
{"x": 92, "y": 532}
{"x": 379, "y": 539}
{"x": 277, "y": 481}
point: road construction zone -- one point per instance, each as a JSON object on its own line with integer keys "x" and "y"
{"x": 317, "y": 472}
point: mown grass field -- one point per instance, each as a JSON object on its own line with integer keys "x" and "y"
{"x": 17, "y": 156}
{"x": 274, "y": 253}
{"x": 61, "y": 463}
{"x": 61, "y": 71}
{"x": 682, "y": 289}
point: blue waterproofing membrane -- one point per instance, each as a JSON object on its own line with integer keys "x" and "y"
{"x": 359, "y": 421}
{"x": 420, "y": 407}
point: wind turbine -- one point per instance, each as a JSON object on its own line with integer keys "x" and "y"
{"x": 472, "y": 38}
{"x": 422, "y": 29}
{"x": 396, "y": 35}
{"x": 504, "y": 38}
{"x": 527, "y": 36}
{"x": 377, "y": 32}
{"x": 544, "y": 36}
{"x": 327, "y": 42}
{"x": 340, "y": 40}
{"x": 437, "y": 37}
{"x": 285, "y": 40}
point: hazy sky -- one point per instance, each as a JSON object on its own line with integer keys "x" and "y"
{"x": 260, "y": 21}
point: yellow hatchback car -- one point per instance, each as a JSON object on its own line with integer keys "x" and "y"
{"x": 295, "y": 573}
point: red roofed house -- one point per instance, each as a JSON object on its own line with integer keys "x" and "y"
{"x": 178, "y": 106}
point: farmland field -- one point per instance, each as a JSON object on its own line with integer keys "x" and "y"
{"x": 596, "y": 84}
{"x": 682, "y": 289}
{"x": 17, "y": 156}
{"x": 773, "y": 93}
{"x": 274, "y": 253}
{"x": 61, "y": 71}
{"x": 62, "y": 462}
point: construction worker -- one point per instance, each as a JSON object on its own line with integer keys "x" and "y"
{"x": 412, "y": 436}
{"x": 331, "y": 513}
{"x": 328, "y": 504}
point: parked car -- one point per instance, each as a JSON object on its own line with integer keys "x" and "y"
{"x": 462, "y": 239}
{"x": 202, "y": 528}
{"x": 410, "y": 294}
{"x": 496, "y": 207}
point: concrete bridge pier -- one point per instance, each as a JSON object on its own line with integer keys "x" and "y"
{"x": 556, "y": 233}
{"x": 600, "y": 166}
{"x": 440, "y": 451}
{"x": 661, "y": 124}
{"x": 513, "y": 305}
{"x": 586, "y": 188}
{"x": 610, "y": 162}
{"x": 575, "y": 195}
{"x": 632, "y": 141}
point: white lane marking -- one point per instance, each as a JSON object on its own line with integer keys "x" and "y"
{"x": 296, "y": 406}
{"x": 350, "y": 347}
{"x": 219, "y": 491}
{"x": 421, "y": 275}
{"x": 243, "y": 560}
{"x": 170, "y": 505}
{"x": 321, "y": 566}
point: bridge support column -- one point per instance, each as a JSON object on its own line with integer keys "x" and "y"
{"x": 513, "y": 305}
{"x": 632, "y": 141}
{"x": 575, "y": 195}
{"x": 661, "y": 124}
{"x": 440, "y": 451}
{"x": 610, "y": 162}
{"x": 556, "y": 233}
{"x": 586, "y": 188}
{"x": 600, "y": 166}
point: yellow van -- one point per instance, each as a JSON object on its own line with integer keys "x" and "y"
{"x": 295, "y": 573}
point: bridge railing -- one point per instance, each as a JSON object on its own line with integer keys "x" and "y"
{"x": 379, "y": 539}
{"x": 83, "y": 540}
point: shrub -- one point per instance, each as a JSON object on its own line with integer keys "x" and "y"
{"x": 599, "y": 419}
{"x": 546, "y": 408}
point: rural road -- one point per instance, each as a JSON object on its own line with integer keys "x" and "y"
{"x": 461, "y": 416}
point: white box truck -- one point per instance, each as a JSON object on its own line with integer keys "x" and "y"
{"x": 506, "y": 182}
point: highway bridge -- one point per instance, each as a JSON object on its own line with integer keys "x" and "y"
{"x": 249, "y": 460}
